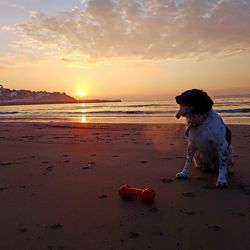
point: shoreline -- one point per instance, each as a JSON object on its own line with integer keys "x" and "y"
{"x": 115, "y": 120}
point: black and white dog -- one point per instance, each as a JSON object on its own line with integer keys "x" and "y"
{"x": 209, "y": 139}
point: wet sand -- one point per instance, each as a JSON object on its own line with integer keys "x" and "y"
{"x": 59, "y": 189}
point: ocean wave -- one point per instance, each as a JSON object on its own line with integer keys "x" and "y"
{"x": 241, "y": 110}
{"x": 135, "y": 112}
{"x": 8, "y": 113}
{"x": 132, "y": 112}
{"x": 121, "y": 112}
{"x": 109, "y": 112}
{"x": 89, "y": 106}
{"x": 144, "y": 105}
{"x": 118, "y": 112}
{"x": 232, "y": 104}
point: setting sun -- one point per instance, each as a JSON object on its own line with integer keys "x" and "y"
{"x": 82, "y": 90}
{"x": 82, "y": 93}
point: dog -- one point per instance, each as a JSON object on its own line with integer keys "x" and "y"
{"x": 209, "y": 139}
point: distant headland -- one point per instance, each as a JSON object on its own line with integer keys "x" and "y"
{"x": 28, "y": 97}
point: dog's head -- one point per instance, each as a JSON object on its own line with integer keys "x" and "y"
{"x": 193, "y": 101}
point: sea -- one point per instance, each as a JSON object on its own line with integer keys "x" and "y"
{"x": 234, "y": 110}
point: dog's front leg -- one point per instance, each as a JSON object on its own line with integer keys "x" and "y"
{"x": 223, "y": 171}
{"x": 190, "y": 154}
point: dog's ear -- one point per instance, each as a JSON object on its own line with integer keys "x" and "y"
{"x": 206, "y": 103}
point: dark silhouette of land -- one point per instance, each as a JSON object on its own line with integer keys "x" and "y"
{"x": 28, "y": 97}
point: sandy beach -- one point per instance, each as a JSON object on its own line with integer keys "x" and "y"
{"x": 59, "y": 189}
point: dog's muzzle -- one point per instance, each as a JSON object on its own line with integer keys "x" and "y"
{"x": 184, "y": 110}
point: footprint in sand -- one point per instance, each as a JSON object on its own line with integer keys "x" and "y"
{"x": 56, "y": 226}
{"x": 209, "y": 187}
{"x": 5, "y": 163}
{"x": 133, "y": 235}
{"x": 187, "y": 212}
{"x": 154, "y": 209}
{"x": 22, "y": 230}
{"x": 167, "y": 158}
{"x": 49, "y": 168}
{"x": 179, "y": 157}
{"x": 44, "y": 162}
{"x": 166, "y": 180}
{"x": 188, "y": 194}
{"x": 158, "y": 233}
{"x": 241, "y": 215}
{"x": 103, "y": 196}
{"x": 214, "y": 228}
{"x": 55, "y": 248}
{"x": 86, "y": 168}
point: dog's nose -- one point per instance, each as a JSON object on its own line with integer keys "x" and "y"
{"x": 178, "y": 115}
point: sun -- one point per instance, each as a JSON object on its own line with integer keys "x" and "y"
{"x": 82, "y": 93}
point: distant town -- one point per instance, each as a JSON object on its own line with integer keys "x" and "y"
{"x": 25, "y": 97}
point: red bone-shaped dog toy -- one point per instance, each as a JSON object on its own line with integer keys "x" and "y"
{"x": 146, "y": 194}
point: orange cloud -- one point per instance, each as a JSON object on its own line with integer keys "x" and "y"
{"x": 144, "y": 29}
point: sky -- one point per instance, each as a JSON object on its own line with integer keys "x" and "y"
{"x": 125, "y": 49}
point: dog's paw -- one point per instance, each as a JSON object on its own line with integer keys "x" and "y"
{"x": 222, "y": 183}
{"x": 181, "y": 175}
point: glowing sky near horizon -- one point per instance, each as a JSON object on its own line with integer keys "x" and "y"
{"x": 128, "y": 49}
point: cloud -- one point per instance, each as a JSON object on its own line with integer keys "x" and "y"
{"x": 144, "y": 29}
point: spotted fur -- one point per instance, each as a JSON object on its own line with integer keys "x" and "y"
{"x": 209, "y": 140}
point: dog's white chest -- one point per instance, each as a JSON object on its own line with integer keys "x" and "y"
{"x": 210, "y": 134}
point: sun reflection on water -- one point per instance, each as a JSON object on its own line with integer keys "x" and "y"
{"x": 83, "y": 116}
{"x": 84, "y": 119}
